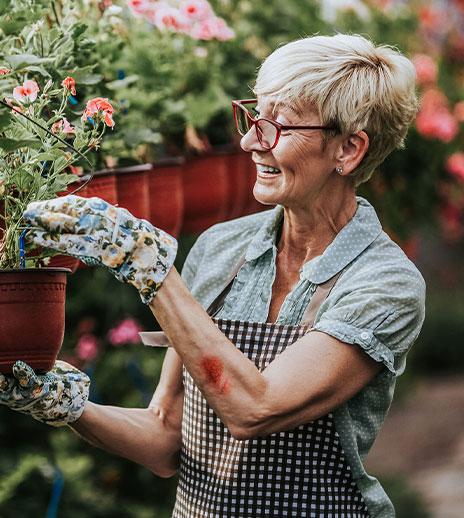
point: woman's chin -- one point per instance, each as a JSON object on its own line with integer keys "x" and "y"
{"x": 266, "y": 196}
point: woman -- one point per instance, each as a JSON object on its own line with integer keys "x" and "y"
{"x": 283, "y": 394}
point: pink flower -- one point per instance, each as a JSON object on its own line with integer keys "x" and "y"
{"x": 459, "y": 111}
{"x": 222, "y": 31}
{"x": 438, "y": 124}
{"x": 126, "y": 332}
{"x": 139, "y": 7}
{"x": 196, "y": 9}
{"x": 99, "y": 106}
{"x": 4, "y": 71}
{"x": 434, "y": 119}
{"x": 426, "y": 69}
{"x": 211, "y": 28}
{"x": 63, "y": 126}
{"x": 27, "y": 92}
{"x": 168, "y": 17}
{"x": 455, "y": 165}
{"x": 69, "y": 83}
{"x": 451, "y": 223}
{"x": 87, "y": 347}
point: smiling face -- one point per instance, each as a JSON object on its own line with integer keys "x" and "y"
{"x": 300, "y": 166}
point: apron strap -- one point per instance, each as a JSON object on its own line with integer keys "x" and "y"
{"x": 319, "y": 296}
{"x": 218, "y": 302}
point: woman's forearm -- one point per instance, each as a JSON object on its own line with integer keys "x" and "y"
{"x": 230, "y": 382}
{"x": 141, "y": 435}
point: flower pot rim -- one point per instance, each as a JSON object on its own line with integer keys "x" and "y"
{"x": 51, "y": 269}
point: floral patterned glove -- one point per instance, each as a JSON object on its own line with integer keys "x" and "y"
{"x": 98, "y": 233}
{"x": 56, "y": 398}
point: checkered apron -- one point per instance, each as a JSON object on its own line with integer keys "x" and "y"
{"x": 298, "y": 473}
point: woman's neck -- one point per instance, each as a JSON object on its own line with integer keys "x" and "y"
{"x": 307, "y": 231}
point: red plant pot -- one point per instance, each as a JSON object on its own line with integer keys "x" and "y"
{"x": 166, "y": 194}
{"x": 32, "y": 308}
{"x": 132, "y": 188}
{"x": 239, "y": 164}
{"x": 102, "y": 185}
{"x": 252, "y": 205}
{"x": 206, "y": 191}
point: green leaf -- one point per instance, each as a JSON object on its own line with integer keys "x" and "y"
{"x": 122, "y": 83}
{"x": 51, "y": 154}
{"x": 8, "y": 144}
{"x": 5, "y": 119}
{"x": 90, "y": 79}
{"x": 23, "y": 60}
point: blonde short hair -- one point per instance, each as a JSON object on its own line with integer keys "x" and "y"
{"x": 354, "y": 85}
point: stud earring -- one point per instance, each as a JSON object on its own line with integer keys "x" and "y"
{"x": 339, "y": 169}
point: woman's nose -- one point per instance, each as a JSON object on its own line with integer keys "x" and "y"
{"x": 249, "y": 142}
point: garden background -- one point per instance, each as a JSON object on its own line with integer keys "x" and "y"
{"x": 170, "y": 83}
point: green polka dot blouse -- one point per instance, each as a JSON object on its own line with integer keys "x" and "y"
{"x": 378, "y": 304}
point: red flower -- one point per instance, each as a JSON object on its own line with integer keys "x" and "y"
{"x": 455, "y": 165}
{"x": 99, "y": 106}
{"x": 69, "y": 84}
{"x": 426, "y": 69}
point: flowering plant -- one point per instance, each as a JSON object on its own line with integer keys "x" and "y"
{"x": 35, "y": 160}
{"x": 167, "y": 79}
{"x": 44, "y": 129}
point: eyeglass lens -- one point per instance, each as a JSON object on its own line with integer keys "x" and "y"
{"x": 266, "y": 131}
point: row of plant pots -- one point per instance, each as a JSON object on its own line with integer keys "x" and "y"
{"x": 180, "y": 195}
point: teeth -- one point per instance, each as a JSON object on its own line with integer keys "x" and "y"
{"x": 267, "y": 169}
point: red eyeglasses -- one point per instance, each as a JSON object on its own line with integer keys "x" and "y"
{"x": 267, "y": 130}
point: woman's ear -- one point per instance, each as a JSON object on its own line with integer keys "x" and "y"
{"x": 351, "y": 151}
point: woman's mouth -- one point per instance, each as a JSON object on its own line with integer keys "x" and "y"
{"x": 266, "y": 171}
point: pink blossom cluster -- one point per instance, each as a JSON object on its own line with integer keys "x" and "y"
{"x": 195, "y": 18}
{"x": 455, "y": 165}
{"x": 87, "y": 347}
{"x": 435, "y": 120}
{"x": 97, "y": 107}
{"x": 126, "y": 332}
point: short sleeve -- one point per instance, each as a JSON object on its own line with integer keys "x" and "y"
{"x": 193, "y": 259}
{"x": 382, "y": 312}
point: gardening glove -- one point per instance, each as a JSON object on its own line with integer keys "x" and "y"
{"x": 98, "y": 233}
{"x": 56, "y": 398}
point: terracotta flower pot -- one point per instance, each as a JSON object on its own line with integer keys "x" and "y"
{"x": 206, "y": 191}
{"x": 102, "y": 185}
{"x": 32, "y": 308}
{"x": 239, "y": 164}
{"x": 132, "y": 189}
{"x": 166, "y": 194}
{"x": 252, "y": 205}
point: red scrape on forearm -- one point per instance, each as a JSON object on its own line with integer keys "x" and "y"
{"x": 213, "y": 368}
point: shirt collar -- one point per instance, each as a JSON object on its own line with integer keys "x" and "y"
{"x": 348, "y": 244}
{"x": 264, "y": 239}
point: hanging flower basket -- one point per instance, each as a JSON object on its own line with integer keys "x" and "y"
{"x": 166, "y": 194}
{"x": 206, "y": 191}
{"x": 32, "y": 308}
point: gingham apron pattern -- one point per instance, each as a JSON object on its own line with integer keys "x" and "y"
{"x": 298, "y": 473}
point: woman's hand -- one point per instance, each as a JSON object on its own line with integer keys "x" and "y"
{"x": 98, "y": 233}
{"x": 56, "y": 398}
